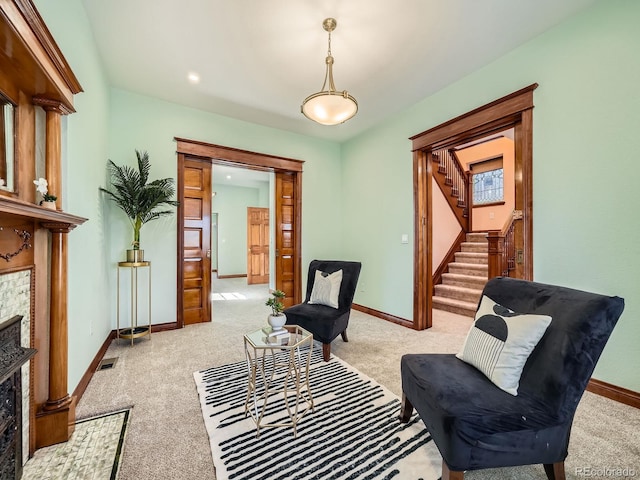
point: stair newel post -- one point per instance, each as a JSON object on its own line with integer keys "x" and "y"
{"x": 467, "y": 201}
{"x": 495, "y": 249}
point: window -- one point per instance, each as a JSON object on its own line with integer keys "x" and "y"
{"x": 488, "y": 187}
{"x": 487, "y": 182}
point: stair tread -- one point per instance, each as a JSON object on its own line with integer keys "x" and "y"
{"x": 459, "y": 288}
{"x": 455, "y": 302}
{"x": 461, "y": 276}
{"x": 474, "y": 266}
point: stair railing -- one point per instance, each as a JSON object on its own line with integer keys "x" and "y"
{"x": 450, "y": 175}
{"x": 502, "y": 249}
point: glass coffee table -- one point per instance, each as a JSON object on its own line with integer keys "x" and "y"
{"x": 278, "y": 369}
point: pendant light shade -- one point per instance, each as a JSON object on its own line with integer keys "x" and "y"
{"x": 329, "y": 107}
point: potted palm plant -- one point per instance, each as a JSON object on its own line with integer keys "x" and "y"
{"x": 141, "y": 200}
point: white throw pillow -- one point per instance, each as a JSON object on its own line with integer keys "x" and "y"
{"x": 500, "y": 342}
{"x": 326, "y": 288}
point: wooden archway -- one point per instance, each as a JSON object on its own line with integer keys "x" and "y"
{"x": 512, "y": 111}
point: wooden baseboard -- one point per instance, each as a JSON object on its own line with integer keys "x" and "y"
{"x": 613, "y": 392}
{"x": 239, "y": 275}
{"x": 88, "y": 375}
{"x": 384, "y": 316}
{"x": 163, "y": 327}
{"x": 608, "y": 390}
{"x": 86, "y": 378}
{"x": 619, "y": 394}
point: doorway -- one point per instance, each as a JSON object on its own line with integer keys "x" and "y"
{"x": 512, "y": 111}
{"x": 242, "y": 201}
{"x": 287, "y": 199}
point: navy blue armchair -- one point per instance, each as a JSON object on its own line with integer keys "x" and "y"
{"x": 475, "y": 424}
{"x": 326, "y": 322}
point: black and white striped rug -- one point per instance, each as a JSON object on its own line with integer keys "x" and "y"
{"x": 353, "y": 432}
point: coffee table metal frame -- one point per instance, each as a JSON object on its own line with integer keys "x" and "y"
{"x": 264, "y": 360}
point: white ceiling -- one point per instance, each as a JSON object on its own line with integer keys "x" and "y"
{"x": 258, "y": 59}
{"x": 239, "y": 177}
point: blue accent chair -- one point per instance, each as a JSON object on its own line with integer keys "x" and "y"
{"x": 325, "y": 322}
{"x": 476, "y": 425}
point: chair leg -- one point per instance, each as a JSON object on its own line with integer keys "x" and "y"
{"x": 406, "y": 410}
{"x": 554, "y": 471}
{"x": 326, "y": 351}
{"x": 344, "y": 336}
{"x": 449, "y": 474}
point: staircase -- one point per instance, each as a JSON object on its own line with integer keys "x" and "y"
{"x": 461, "y": 288}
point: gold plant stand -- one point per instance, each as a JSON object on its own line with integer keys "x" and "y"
{"x": 134, "y": 330}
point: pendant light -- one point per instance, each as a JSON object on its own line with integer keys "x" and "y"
{"x": 329, "y": 107}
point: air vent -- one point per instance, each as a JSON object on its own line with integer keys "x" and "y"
{"x": 107, "y": 363}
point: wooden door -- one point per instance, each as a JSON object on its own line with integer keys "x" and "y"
{"x": 195, "y": 245}
{"x": 286, "y": 214}
{"x": 257, "y": 245}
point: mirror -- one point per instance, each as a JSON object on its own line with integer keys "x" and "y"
{"x": 7, "y": 123}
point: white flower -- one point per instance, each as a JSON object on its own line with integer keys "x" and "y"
{"x": 41, "y": 185}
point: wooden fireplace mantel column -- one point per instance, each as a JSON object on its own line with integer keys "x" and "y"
{"x": 56, "y": 417}
{"x": 53, "y": 150}
{"x": 58, "y": 335}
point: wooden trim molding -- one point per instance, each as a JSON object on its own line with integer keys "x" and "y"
{"x": 164, "y": 327}
{"x": 449, "y": 257}
{"x": 20, "y": 208}
{"x": 88, "y": 375}
{"x": 37, "y": 66}
{"x": 613, "y": 392}
{"x": 239, "y": 275}
{"x": 510, "y": 111}
{"x": 384, "y": 316}
{"x": 423, "y": 233}
{"x": 221, "y": 155}
{"x": 243, "y": 158}
{"x": 40, "y": 30}
{"x": 457, "y": 128}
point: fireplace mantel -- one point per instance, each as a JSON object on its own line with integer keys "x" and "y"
{"x": 34, "y": 75}
{"x": 29, "y": 211}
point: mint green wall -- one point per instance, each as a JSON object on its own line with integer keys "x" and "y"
{"x": 146, "y": 123}
{"x": 586, "y": 119}
{"x": 586, "y": 124}
{"x": 84, "y": 150}
{"x": 263, "y": 195}
{"x": 230, "y": 203}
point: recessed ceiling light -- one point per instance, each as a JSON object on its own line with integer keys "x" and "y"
{"x": 193, "y": 77}
{"x": 228, "y": 177}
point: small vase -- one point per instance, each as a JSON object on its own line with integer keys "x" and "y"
{"x": 49, "y": 205}
{"x": 135, "y": 256}
{"x": 277, "y": 321}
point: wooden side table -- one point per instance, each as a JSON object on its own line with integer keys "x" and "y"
{"x": 134, "y": 330}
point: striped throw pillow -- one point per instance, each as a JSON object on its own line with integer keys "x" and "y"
{"x": 500, "y": 342}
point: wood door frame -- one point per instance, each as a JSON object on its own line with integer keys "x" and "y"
{"x": 221, "y": 155}
{"x": 511, "y": 111}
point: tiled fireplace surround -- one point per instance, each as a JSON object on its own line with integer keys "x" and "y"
{"x": 15, "y": 299}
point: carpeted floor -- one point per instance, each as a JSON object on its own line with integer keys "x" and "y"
{"x": 167, "y": 438}
{"x": 353, "y": 432}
